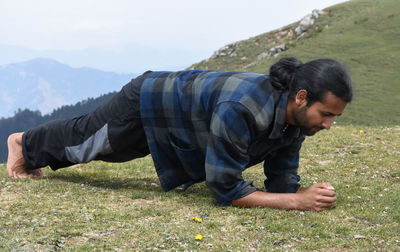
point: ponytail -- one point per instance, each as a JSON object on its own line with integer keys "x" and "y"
{"x": 283, "y": 72}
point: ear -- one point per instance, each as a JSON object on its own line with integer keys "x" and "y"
{"x": 301, "y": 97}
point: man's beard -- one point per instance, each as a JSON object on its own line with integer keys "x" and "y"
{"x": 300, "y": 119}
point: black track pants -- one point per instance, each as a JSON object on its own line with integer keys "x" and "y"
{"x": 113, "y": 132}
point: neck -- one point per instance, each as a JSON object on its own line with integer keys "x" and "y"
{"x": 289, "y": 113}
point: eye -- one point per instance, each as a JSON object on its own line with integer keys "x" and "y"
{"x": 327, "y": 114}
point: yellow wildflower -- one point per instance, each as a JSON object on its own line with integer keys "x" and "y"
{"x": 196, "y": 219}
{"x": 109, "y": 165}
{"x": 198, "y": 237}
{"x": 361, "y": 131}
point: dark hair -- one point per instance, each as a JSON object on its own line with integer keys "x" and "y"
{"x": 317, "y": 77}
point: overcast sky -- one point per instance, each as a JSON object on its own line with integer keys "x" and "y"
{"x": 204, "y": 25}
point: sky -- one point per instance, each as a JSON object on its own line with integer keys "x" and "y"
{"x": 193, "y": 29}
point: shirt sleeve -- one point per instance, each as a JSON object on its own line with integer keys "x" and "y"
{"x": 226, "y": 155}
{"x": 281, "y": 168}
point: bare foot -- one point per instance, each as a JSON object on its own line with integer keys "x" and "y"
{"x": 16, "y": 163}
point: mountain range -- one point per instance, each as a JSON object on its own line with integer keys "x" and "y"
{"x": 130, "y": 58}
{"x": 45, "y": 84}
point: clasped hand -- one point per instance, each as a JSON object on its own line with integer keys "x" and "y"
{"x": 317, "y": 197}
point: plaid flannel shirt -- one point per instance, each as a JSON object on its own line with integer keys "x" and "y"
{"x": 204, "y": 125}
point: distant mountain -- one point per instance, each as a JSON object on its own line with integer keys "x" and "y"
{"x": 45, "y": 84}
{"x": 134, "y": 58}
{"x": 27, "y": 119}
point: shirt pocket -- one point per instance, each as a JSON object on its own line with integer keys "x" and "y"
{"x": 189, "y": 156}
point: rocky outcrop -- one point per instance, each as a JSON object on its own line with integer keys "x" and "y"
{"x": 228, "y": 50}
{"x": 277, "y": 49}
{"x": 280, "y": 41}
{"x": 307, "y": 22}
{"x": 273, "y": 52}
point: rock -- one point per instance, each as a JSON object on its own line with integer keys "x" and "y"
{"x": 262, "y": 56}
{"x": 277, "y": 49}
{"x": 316, "y": 13}
{"x": 307, "y": 22}
{"x": 301, "y": 35}
{"x": 298, "y": 31}
{"x": 250, "y": 65}
{"x": 272, "y": 52}
{"x": 226, "y": 50}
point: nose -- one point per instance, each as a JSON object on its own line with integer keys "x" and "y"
{"x": 327, "y": 123}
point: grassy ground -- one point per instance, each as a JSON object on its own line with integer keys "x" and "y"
{"x": 102, "y": 206}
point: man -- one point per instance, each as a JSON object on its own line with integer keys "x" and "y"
{"x": 204, "y": 125}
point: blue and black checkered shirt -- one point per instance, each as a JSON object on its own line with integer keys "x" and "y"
{"x": 204, "y": 125}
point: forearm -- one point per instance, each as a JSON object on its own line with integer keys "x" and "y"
{"x": 269, "y": 200}
{"x": 318, "y": 197}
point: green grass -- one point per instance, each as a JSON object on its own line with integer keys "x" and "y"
{"x": 122, "y": 207}
{"x": 363, "y": 34}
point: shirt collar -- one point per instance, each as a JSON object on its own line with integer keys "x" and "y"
{"x": 279, "y": 118}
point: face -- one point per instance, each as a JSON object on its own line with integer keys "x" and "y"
{"x": 319, "y": 115}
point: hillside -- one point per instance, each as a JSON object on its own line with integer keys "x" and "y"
{"x": 363, "y": 34}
